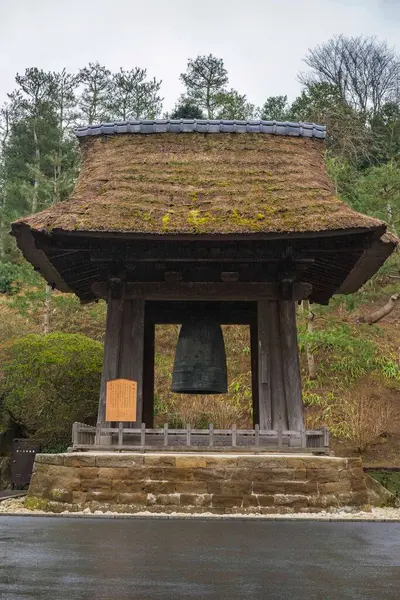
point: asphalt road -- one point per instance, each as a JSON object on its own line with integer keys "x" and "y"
{"x": 98, "y": 559}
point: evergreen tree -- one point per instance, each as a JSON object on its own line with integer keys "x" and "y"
{"x": 232, "y": 105}
{"x": 186, "y": 109}
{"x": 276, "y": 108}
{"x": 132, "y": 96}
{"x": 94, "y": 99}
{"x": 205, "y": 79}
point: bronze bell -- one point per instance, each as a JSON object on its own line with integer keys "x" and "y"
{"x": 200, "y": 360}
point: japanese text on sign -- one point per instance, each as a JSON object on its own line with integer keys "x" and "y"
{"x": 121, "y": 400}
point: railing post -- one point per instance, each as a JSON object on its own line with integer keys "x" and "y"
{"x": 280, "y": 430}
{"x": 143, "y": 434}
{"x": 188, "y": 435}
{"x": 211, "y": 435}
{"x": 75, "y": 434}
{"x": 303, "y": 435}
{"x": 98, "y": 434}
{"x": 234, "y": 436}
{"x": 326, "y": 438}
{"x": 257, "y": 435}
{"x": 120, "y": 433}
{"x": 165, "y": 434}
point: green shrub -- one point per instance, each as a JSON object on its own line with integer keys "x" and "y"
{"x": 49, "y": 382}
{"x": 13, "y": 276}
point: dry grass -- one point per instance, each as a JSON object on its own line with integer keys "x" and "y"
{"x": 181, "y": 183}
{"x": 362, "y": 416}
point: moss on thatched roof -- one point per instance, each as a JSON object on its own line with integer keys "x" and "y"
{"x": 194, "y": 183}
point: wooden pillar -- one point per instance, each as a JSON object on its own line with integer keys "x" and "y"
{"x": 254, "y": 372}
{"x": 148, "y": 373}
{"x": 264, "y": 380}
{"x": 123, "y": 350}
{"x": 290, "y": 360}
{"x": 280, "y": 401}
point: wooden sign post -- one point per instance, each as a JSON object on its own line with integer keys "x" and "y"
{"x": 121, "y": 400}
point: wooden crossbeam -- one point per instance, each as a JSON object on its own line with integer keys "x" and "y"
{"x": 206, "y": 290}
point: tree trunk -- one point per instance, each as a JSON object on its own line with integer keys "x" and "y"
{"x": 47, "y": 305}
{"x": 381, "y": 312}
{"x": 312, "y": 368}
{"x": 34, "y": 205}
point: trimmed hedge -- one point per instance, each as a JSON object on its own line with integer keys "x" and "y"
{"x": 48, "y": 382}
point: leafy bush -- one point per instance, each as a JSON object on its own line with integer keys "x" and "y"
{"x": 49, "y": 382}
{"x": 13, "y": 276}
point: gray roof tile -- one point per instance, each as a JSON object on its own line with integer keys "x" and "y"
{"x": 146, "y": 126}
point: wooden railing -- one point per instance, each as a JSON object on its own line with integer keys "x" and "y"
{"x": 86, "y": 437}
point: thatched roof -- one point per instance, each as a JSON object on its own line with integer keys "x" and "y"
{"x": 193, "y": 183}
{"x": 147, "y": 183}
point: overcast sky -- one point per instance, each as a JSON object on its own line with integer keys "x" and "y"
{"x": 261, "y": 41}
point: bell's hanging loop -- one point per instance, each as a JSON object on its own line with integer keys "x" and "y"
{"x": 200, "y": 359}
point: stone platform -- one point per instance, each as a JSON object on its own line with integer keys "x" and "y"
{"x": 185, "y": 483}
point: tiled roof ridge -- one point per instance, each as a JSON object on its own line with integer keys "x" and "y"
{"x": 146, "y": 126}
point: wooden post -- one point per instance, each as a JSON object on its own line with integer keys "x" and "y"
{"x": 264, "y": 382}
{"x": 123, "y": 350}
{"x": 279, "y": 384}
{"x": 148, "y": 373}
{"x": 254, "y": 372}
{"x": 290, "y": 361}
{"x": 111, "y": 355}
{"x": 277, "y": 367}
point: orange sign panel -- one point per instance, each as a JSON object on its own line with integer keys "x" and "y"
{"x": 121, "y": 400}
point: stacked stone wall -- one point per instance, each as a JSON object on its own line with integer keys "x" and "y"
{"x": 189, "y": 483}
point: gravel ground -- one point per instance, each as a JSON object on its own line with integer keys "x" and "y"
{"x": 15, "y": 506}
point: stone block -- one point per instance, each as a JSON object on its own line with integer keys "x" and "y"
{"x": 234, "y": 487}
{"x": 79, "y": 498}
{"x": 159, "y": 461}
{"x": 132, "y": 498}
{"x": 297, "y": 500}
{"x": 261, "y": 475}
{"x": 270, "y": 462}
{"x": 323, "y": 475}
{"x": 284, "y": 487}
{"x": 114, "y": 472}
{"x": 88, "y": 472}
{"x": 167, "y": 499}
{"x": 325, "y": 462}
{"x": 334, "y": 487}
{"x": 101, "y": 496}
{"x": 39, "y": 484}
{"x": 103, "y": 483}
{"x": 250, "y": 500}
{"x": 80, "y": 460}
{"x": 226, "y": 500}
{"x": 265, "y": 499}
{"x": 49, "y": 459}
{"x": 175, "y": 474}
{"x": 195, "y": 500}
{"x": 191, "y": 487}
{"x": 118, "y": 460}
{"x": 209, "y": 474}
{"x": 88, "y": 484}
{"x": 127, "y": 486}
{"x": 156, "y": 487}
{"x": 190, "y": 462}
{"x": 323, "y": 501}
{"x": 60, "y": 495}
{"x": 274, "y": 510}
{"x": 221, "y": 462}
{"x": 353, "y": 498}
{"x": 145, "y": 473}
